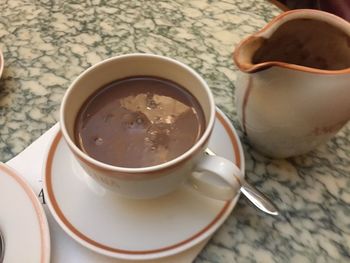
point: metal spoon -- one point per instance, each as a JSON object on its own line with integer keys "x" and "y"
{"x": 2, "y": 247}
{"x": 254, "y": 195}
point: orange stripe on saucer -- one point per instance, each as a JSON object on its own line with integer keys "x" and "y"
{"x": 45, "y": 243}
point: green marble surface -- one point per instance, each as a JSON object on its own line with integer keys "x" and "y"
{"x": 47, "y": 44}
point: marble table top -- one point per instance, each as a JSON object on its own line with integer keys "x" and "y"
{"x": 46, "y": 44}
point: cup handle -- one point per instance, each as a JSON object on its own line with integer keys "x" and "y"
{"x": 216, "y": 177}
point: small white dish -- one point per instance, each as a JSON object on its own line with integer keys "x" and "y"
{"x": 23, "y": 221}
{"x": 135, "y": 229}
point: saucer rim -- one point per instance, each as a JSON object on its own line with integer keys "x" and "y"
{"x": 183, "y": 245}
{"x": 45, "y": 245}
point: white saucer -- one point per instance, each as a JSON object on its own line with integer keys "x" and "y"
{"x": 22, "y": 220}
{"x": 130, "y": 229}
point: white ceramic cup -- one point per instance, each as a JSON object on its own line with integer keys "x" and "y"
{"x": 148, "y": 182}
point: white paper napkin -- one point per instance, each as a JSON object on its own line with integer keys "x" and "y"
{"x": 29, "y": 164}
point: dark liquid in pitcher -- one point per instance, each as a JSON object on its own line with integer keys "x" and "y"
{"x": 139, "y": 122}
{"x": 306, "y": 42}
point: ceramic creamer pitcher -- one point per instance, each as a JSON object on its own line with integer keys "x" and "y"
{"x": 293, "y": 88}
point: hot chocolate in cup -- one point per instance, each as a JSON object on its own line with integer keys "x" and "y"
{"x": 139, "y": 125}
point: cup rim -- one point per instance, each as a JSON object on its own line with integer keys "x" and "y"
{"x": 139, "y": 170}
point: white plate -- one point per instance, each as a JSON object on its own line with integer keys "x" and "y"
{"x": 22, "y": 220}
{"x": 130, "y": 229}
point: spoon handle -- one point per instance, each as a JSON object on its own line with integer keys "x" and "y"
{"x": 254, "y": 195}
{"x": 258, "y": 198}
